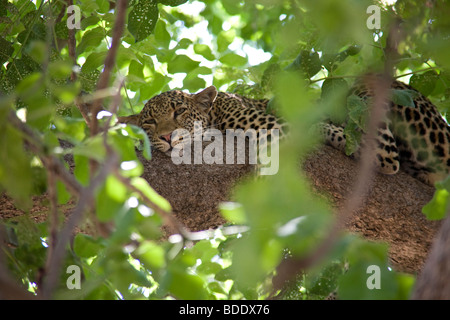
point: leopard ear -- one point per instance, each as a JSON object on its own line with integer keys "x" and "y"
{"x": 133, "y": 119}
{"x": 206, "y": 97}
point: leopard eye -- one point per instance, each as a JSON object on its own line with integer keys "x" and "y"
{"x": 149, "y": 122}
{"x": 179, "y": 111}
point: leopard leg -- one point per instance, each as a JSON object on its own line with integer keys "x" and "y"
{"x": 386, "y": 153}
{"x": 333, "y": 135}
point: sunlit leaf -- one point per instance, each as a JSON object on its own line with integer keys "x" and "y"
{"x": 182, "y": 63}
{"x": 233, "y": 59}
{"x": 437, "y": 208}
{"x": 152, "y": 255}
{"x": 204, "y": 50}
{"x": 233, "y": 212}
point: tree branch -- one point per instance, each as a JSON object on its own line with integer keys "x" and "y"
{"x": 86, "y": 201}
{"x": 433, "y": 283}
{"x": 103, "y": 81}
{"x": 290, "y": 267}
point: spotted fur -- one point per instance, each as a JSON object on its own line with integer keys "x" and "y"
{"x": 163, "y": 114}
{"x": 414, "y": 138}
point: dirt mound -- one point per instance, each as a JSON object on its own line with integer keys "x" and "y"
{"x": 391, "y": 212}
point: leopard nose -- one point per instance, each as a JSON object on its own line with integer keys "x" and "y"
{"x": 166, "y": 137}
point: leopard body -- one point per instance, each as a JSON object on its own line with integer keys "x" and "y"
{"x": 172, "y": 110}
{"x": 415, "y": 138}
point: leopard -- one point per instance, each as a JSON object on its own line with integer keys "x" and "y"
{"x": 166, "y": 113}
{"x": 414, "y": 137}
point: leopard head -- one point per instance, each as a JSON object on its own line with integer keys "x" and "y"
{"x": 170, "y": 111}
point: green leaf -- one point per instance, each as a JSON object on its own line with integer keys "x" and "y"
{"x": 74, "y": 129}
{"x": 103, "y": 6}
{"x": 233, "y": 212}
{"x": 139, "y": 133}
{"x": 61, "y": 30}
{"x": 182, "y": 63}
{"x": 87, "y": 22}
{"x": 193, "y": 83}
{"x": 92, "y": 148}
{"x": 233, "y": 59}
{"x": 3, "y": 7}
{"x": 162, "y": 36}
{"x": 93, "y": 61}
{"x": 15, "y": 170}
{"x": 142, "y": 19}
{"x": 185, "y": 286}
{"x": 151, "y": 255}
{"x": 81, "y": 170}
{"x": 85, "y": 246}
{"x": 205, "y": 51}
{"x": 91, "y": 39}
{"x": 208, "y": 267}
{"x": 270, "y": 75}
{"x": 437, "y": 208}
{"x": 37, "y": 32}
{"x": 424, "y": 83}
{"x": 33, "y": 93}
{"x": 60, "y": 69}
{"x": 136, "y": 69}
{"x": 358, "y": 274}
{"x": 224, "y": 39}
{"x": 404, "y": 97}
{"x": 331, "y": 61}
{"x": 107, "y": 207}
{"x": 308, "y": 62}
{"x": 353, "y": 136}
{"x": 124, "y": 56}
{"x": 6, "y": 50}
{"x": 357, "y": 110}
{"x": 115, "y": 189}
{"x": 18, "y": 69}
{"x": 334, "y": 88}
{"x": 362, "y": 255}
{"x": 89, "y": 80}
{"x": 157, "y": 83}
{"x": 37, "y": 50}
{"x": 63, "y": 194}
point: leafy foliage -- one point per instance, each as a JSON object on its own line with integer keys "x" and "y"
{"x": 313, "y": 51}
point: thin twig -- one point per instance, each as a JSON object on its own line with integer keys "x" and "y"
{"x": 103, "y": 81}
{"x": 72, "y": 46}
{"x": 71, "y": 43}
{"x": 53, "y": 217}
